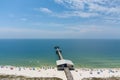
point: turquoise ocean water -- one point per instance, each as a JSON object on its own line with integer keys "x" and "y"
{"x": 40, "y": 52}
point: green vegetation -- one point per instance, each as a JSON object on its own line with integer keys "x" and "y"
{"x": 13, "y": 77}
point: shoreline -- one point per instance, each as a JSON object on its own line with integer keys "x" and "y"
{"x": 43, "y": 72}
{"x": 49, "y": 65}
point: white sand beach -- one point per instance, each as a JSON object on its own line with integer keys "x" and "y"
{"x": 32, "y": 72}
{"x": 78, "y": 74}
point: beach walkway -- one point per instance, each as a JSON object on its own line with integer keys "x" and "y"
{"x": 68, "y": 74}
{"x": 64, "y": 64}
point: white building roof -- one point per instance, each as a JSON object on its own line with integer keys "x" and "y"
{"x": 60, "y": 62}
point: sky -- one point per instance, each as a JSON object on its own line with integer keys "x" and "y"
{"x": 56, "y": 19}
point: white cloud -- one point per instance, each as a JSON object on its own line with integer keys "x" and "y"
{"x": 90, "y": 4}
{"x": 86, "y": 29}
{"x": 73, "y": 4}
{"x": 92, "y": 7}
{"x": 33, "y": 33}
{"x": 112, "y": 20}
{"x": 95, "y": 31}
{"x": 43, "y": 9}
{"x": 68, "y": 14}
{"x": 48, "y": 24}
